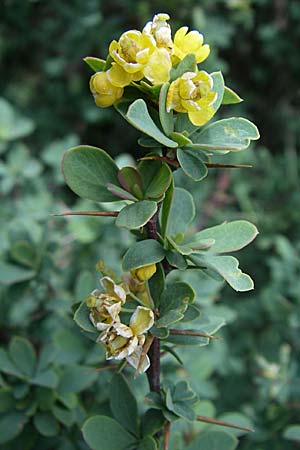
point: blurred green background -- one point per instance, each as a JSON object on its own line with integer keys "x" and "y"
{"x": 48, "y": 384}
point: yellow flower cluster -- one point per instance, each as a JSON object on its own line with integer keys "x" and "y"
{"x": 120, "y": 340}
{"x": 150, "y": 55}
{"x": 192, "y": 94}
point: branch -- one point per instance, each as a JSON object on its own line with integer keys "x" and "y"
{"x": 223, "y": 424}
{"x": 88, "y": 213}
{"x": 167, "y": 435}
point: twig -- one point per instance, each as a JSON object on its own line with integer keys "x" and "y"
{"x": 87, "y": 213}
{"x": 167, "y": 435}
{"x": 222, "y": 423}
{"x": 192, "y": 333}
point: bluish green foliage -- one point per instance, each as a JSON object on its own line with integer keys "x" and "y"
{"x": 45, "y": 110}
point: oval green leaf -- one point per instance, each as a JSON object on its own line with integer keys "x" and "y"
{"x": 136, "y": 215}
{"x": 138, "y": 116}
{"x": 104, "y": 433}
{"x": 192, "y": 164}
{"x": 87, "y": 171}
{"x": 143, "y": 253}
{"x": 232, "y": 134}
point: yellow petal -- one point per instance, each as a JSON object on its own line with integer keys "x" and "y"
{"x": 157, "y": 69}
{"x": 201, "y": 117}
{"x": 118, "y": 77}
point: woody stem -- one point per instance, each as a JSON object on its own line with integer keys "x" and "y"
{"x": 153, "y": 373}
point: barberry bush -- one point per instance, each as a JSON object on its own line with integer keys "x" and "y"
{"x": 155, "y": 82}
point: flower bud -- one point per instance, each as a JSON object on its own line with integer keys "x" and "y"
{"x": 144, "y": 273}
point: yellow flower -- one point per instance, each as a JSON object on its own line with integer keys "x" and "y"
{"x": 106, "y": 306}
{"x": 104, "y": 92}
{"x": 160, "y": 30}
{"x": 192, "y": 42}
{"x": 144, "y": 273}
{"x": 192, "y": 94}
{"x": 122, "y": 341}
{"x": 137, "y": 54}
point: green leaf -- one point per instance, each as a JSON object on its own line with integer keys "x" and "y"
{"x": 176, "y": 295}
{"x": 180, "y": 400}
{"x": 82, "y": 318}
{"x": 218, "y": 87}
{"x": 95, "y": 63}
{"x": 180, "y": 138}
{"x": 7, "y": 366}
{"x": 233, "y": 134}
{"x": 143, "y": 253}
{"x": 123, "y": 404}
{"x": 182, "y": 212}
{"x": 152, "y": 421}
{"x": 166, "y": 208}
{"x": 85, "y": 284}
{"x": 87, "y": 170}
{"x": 159, "y": 183}
{"x": 131, "y": 180}
{"x": 11, "y": 424}
{"x": 184, "y": 125}
{"x": 24, "y": 253}
{"x": 192, "y": 164}
{"x": 228, "y": 268}
{"x": 47, "y": 378}
{"x": 75, "y": 379}
{"x": 157, "y": 284}
{"x": 148, "y": 142}
{"x": 166, "y": 118}
{"x": 13, "y": 126}
{"x": 46, "y": 424}
{"x": 228, "y": 237}
{"x": 23, "y": 355}
{"x": 11, "y": 274}
{"x": 161, "y": 333}
{"x": 214, "y": 440}
{"x": 187, "y": 64}
{"x": 169, "y": 318}
{"x": 136, "y": 215}
{"x": 292, "y": 433}
{"x": 175, "y": 259}
{"x": 230, "y": 97}
{"x": 117, "y": 191}
{"x": 104, "y": 433}
{"x": 148, "y": 443}
{"x": 138, "y": 116}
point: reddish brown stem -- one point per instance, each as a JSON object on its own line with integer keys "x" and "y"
{"x": 167, "y": 435}
{"x": 223, "y": 424}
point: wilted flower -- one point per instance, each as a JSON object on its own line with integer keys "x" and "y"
{"x": 106, "y": 306}
{"x": 144, "y": 273}
{"x": 160, "y": 30}
{"x": 104, "y": 92}
{"x": 190, "y": 42}
{"x": 122, "y": 341}
{"x": 137, "y": 53}
{"x": 192, "y": 94}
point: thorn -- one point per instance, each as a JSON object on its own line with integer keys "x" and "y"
{"x": 222, "y": 423}
{"x": 229, "y": 166}
{"x": 192, "y": 333}
{"x": 87, "y": 213}
{"x": 145, "y": 350}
